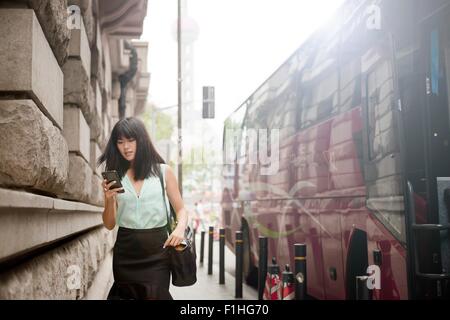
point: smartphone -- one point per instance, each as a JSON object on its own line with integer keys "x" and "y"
{"x": 113, "y": 176}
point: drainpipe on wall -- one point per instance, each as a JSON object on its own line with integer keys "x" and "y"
{"x": 126, "y": 77}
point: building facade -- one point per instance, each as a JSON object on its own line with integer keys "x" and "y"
{"x": 61, "y": 65}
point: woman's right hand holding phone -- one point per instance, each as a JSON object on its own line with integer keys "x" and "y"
{"x": 109, "y": 193}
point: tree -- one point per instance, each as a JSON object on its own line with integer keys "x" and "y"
{"x": 199, "y": 177}
{"x": 163, "y": 123}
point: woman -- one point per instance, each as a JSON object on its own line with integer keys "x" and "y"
{"x": 140, "y": 254}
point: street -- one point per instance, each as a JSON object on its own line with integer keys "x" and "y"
{"x": 207, "y": 286}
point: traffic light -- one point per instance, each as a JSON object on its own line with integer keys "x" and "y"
{"x": 208, "y": 102}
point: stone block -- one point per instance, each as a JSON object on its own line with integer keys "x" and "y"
{"x": 106, "y": 126}
{"x": 35, "y": 154}
{"x": 79, "y": 47}
{"x": 28, "y": 64}
{"x": 22, "y": 230}
{"x": 102, "y": 143}
{"x": 77, "y": 88}
{"x": 114, "y": 108}
{"x": 97, "y": 196}
{"x": 95, "y": 154}
{"x": 98, "y": 96}
{"x": 106, "y": 102}
{"x": 76, "y": 131}
{"x": 114, "y": 120}
{"x": 107, "y": 70}
{"x": 103, "y": 280}
{"x": 51, "y": 275}
{"x": 52, "y": 16}
{"x": 96, "y": 127}
{"x": 29, "y": 221}
{"x": 88, "y": 17}
{"x": 98, "y": 71}
{"x": 78, "y": 186}
{"x": 115, "y": 89}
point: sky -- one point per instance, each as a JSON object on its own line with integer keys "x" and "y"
{"x": 239, "y": 45}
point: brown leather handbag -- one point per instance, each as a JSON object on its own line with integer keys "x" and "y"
{"x": 183, "y": 264}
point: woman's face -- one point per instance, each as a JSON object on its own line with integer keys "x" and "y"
{"x": 127, "y": 147}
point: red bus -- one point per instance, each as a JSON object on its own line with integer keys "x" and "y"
{"x": 363, "y": 172}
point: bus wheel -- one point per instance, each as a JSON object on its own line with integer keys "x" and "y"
{"x": 249, "y": 268}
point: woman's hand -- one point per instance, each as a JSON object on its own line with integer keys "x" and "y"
{"x": 175, "y": 237}
{"x": 109, "y": 193}
{"x": 177, "y": 202}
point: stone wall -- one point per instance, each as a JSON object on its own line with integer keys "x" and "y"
{"x": 63, "y": 273}
{"x": 57, "y": 109}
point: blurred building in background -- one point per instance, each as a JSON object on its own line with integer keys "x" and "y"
{"x": 59, "y": 88}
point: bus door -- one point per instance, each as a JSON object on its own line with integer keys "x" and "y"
{"x": 430, "y": 227}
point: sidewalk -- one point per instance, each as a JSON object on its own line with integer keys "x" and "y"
{"x": 207, "y": 286}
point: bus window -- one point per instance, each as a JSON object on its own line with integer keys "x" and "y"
{"x": 232, "y": 136}
{"x": 437, "y": 49}
{"x": 350, "y": 84}
{"x": 382, "y": 160}
{"x": 318, "y": 84}
{"x": 380, "y": 116}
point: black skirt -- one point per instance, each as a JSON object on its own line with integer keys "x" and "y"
{"x": 140, "y": 265}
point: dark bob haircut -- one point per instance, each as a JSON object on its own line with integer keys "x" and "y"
{"x": 147, "y": 159}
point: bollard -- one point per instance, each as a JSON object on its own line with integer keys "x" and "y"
{"x": 262, "y": 266}
{"x": 272, "y": 289}
{"x": 210, "y": 250}
{"x": 288, "y": 291}
{"x": 222, "y": 256}
{"x": 239, "y": 264}
{"x": 300, "y": 271}
{"x": 362, "y": 290}
{"x": 202, "y": 246}
{"x": 194, "y": 244}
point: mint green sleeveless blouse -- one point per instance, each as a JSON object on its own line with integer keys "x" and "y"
{"x": 146, "y": 211}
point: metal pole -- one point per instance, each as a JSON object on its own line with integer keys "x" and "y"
{"x": 180, "y": 150}
{"x": 202, "y": 246}
{"x": 300, "y": 271}
{"x": 210, "y": 250}
{"x": 239, "y": 264}
{"x": 194, "y": 236}
{"x": 222, "y": 256}
{"x": 153, "y": 123}
{"x": 262, "y": 266}
{"x": 362, "y": 290}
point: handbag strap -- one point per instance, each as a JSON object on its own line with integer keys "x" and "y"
{"x": 161, "y": 179}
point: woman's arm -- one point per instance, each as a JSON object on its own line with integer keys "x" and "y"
{"x": 175, "y": 199}
{"x": 109, "y": 213}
